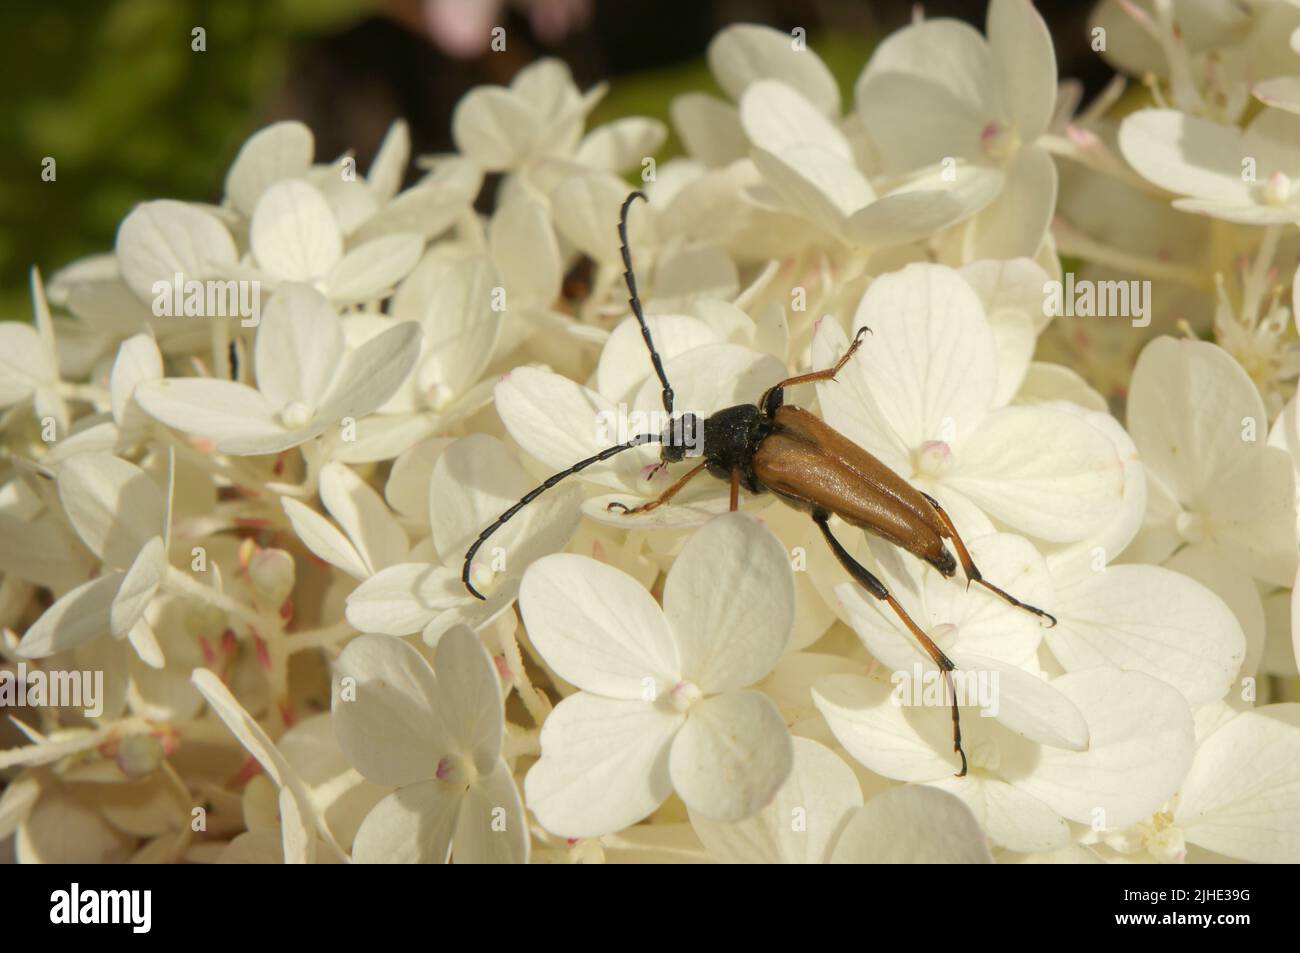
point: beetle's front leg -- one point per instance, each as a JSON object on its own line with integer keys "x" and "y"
{"x": 664, "y": 497}
{"x": 863, "y": 576}
{"x": 774, "y": 397}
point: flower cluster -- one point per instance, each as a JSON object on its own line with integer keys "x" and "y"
{"x": 247, "y": 450}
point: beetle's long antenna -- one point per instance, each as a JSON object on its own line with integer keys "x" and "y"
{"x": 635, "y": 301}
{"x": 537, "y": 491}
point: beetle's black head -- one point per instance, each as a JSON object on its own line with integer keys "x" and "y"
{"x": 682, "y": 438}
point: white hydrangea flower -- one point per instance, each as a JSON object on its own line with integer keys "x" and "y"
{"x": 371, "y": 538}
{"x": 473, "y": 480}
{"x": 308, "y": 380}
{"x": 29, "y": 362}
{"x": 938, "y": 90}
{"x": 210, "y": 495}
{"x": 1249, "y": 176}
{"x": 1218, "y": 489}
{"x": 1140, "y": 746}
{"x": 810, "y": 166}
{"x": 434, "y": 734}
{"x": 124, "y": 519}
{"x": 922, "y": 396}
{"x": 663, "y": 703}
{"x": 1240, "y": 799}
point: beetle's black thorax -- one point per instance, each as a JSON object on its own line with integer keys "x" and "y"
{"x": 731, "y": 437}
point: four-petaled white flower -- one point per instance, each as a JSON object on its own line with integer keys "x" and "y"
{"x": 923, "y": 396}
{"x": 1249, "y": 176}
{"x": 308, "y": 380}
{"x": 434, "y": 734}
{"x": 663, "y": 701}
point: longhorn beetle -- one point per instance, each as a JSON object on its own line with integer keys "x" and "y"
{"x": 771, "y": 446}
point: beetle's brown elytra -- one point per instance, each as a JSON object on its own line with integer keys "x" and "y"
{"x": 772, "y": 447}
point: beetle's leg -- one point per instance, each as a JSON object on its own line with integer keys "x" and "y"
{"x": 773, "y": 398}
{"x": 664, "y": 497}
{"x": 863, "y": 576}
{"x": 735, "y": 489}
{"x": 972, "y": 571}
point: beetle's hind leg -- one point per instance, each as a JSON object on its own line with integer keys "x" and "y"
{"x": 972, "y": 571}
{"x": 864, "y": 578}
{"x": 664, "y": 497}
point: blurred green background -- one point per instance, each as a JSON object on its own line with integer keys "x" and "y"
{"x": 113, "y": 92}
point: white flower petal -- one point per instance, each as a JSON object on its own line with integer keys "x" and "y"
{"x": 373, "y": 530}
{"x": 162, "y": 239}
{"x": 81, "y": 615}
{"x": 525, "y": 250}
{"x": 709, "y": 128}
{"x": 282, "y": 150}
{"x": 732, "y": 755}
{"x": 403, "y": 599}
{"x": 801, "y": 822}
{"x": 299, "y": 346}
{"x": 294, "y": 234}
{"x": 585, "y": 208}
{"x": 1242, "y": 796}
{"x": 912, "y": 825}
{"x": 371, "y": 374}
{"x": 604, "y": 765}
{"x": 139, "y": 586}
{"x": 138, "y": 360}
{"x": 389, "y": 165}
{"x": 895, "y": 741}
{"x": 598, "y": 628}
{"x": 624, "y": 362}
{"x": 1011, "y": 818}
{"x": 370, "y": 270}
{"x": 413, "y": 825}
{"x": 385, "y": 715}
{"x": 23, "y": 364}
{"x": 461, "y": 327}
{"x": 492, "y": 828}
{"x": 324, "y": 539}
{"x": 560, "y": 422}
{"x": 237, "y": 418}
{"x": 1140, "y": 750}
{"x": 1149, "y": 619}
{"x": 1025, "y": 65}
{"x": 730, "y": 601}
{"x": 1027, "y": 704}
{"x": 745, "y": 53}
{"x": 621, "y": 144}
{"x": 469, "y": 697}
{"x": 495, "y": 127}
{"x": 1042, "y": 471}
{"x": 925, "y": 205}
{"x": 1015, "y": 223}
{"x": 777, "y": 118}
{"x": 114, "y": 506}
{"x": 1185, "y": 154}
{"x": 930, "y": 363}
{"x": 816, "y": 185}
